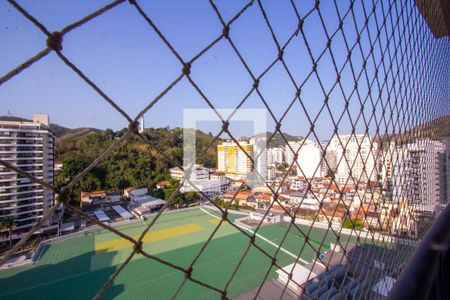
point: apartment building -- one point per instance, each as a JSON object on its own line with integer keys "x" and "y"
{"x": 232, "y": 160}
{"x": 29, "y": 146}
{"x": 355, "y": 158}
{"x": 290, "y": 150}
{"x": 310, "y": 161}
{"x": 417, "y": 173}
{"x": 274, "y": 156}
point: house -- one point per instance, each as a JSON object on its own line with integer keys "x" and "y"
{"x": 242, "y": 198}
{"x": 145, "y": 205}
{"x": 132, "y": 193}
{"x": 99, "y": 198}
{"x": 163, "y": 184}
{"x": 209, "y": 187}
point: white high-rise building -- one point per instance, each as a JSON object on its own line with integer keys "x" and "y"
{"x": 290, "y": 150}
{"x": 355, "y": 156}
{"x": 29, "y": 146}
{"x": 310, "y": 161}
{"x": 417, "y": 173}
{"x": 274, "y": 156}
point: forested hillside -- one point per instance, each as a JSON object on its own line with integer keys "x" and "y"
{"x": 132, "y": 163}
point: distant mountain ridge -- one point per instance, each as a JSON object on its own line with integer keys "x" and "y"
{"x": 437, "y": 129}
{"x": 278, "y": 141}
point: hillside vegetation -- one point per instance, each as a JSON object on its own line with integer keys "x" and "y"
{"x": 132, "y": 163}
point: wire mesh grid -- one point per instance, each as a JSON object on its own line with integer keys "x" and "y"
{"x": 390, "y": 62}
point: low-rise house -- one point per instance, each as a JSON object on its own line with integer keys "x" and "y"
{"x": 163, "y": 184}
{"x": 99, "y": 198}
{"x": 145, "y": 205}
{"x": 298, "y": 184}
{"x": 132, "y": 193}
{"x": 198, "y": 172}
{"x": 211, "y": 188}
{"x": 217, "y": 176}
{"x": 241, "y": 198}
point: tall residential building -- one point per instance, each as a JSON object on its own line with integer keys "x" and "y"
{"x": 29, "y": 146}
{"x": 417, "y": 173}
{"x": 232, "y": 160}
{"x": 355, "y": 155}
{"x": 274, "y": 156}
{"x": 290, "y": 150}
{"x": 309, "y": 160}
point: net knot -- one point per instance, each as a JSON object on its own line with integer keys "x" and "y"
{"x": 316, "y": 5}
{"x": 256, "y": 83}
{"x": 278, "y": 126}
{"x": 187, "y": 68}
{"x": 226, "y": 31}
{"x": 225, "y": 126}
{"x": 297, "y": 93}
{"x": 280, "y": 54}
{"x": 225, "y": 215}
{"x": 54, "y": 41}
{"x": 300, "y": 25}
{"x": 188, "y": 272}
{"x": 132, "y": 2}
{"x": 133, "y": 127}
{"x": 138, "y": 247}
{"x": 63, "y": 195}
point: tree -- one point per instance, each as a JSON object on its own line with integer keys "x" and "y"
{"x": 109, "y": 133}
{"x": 330, "y": 173}
{"x": 157, "y": 193}
{"x": 353, "y": 224}
{"x": 191, "y": 196}
{"x": 73, "y": 166}
{"x": 282, "y": 167}
{"x": 8, "y": 223}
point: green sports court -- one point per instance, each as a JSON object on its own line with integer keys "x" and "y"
{"x": 77, "y": 268}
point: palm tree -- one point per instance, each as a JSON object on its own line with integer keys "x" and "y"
{"x": 8, "y": 223}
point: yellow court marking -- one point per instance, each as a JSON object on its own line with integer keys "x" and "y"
{"x": 217, "y": 221}
{"x": 150, "y": 237}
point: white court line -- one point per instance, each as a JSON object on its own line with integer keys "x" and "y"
{"x": 261, "y": 237}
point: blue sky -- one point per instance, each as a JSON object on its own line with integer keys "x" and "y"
{"x": 127, "y": 60}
